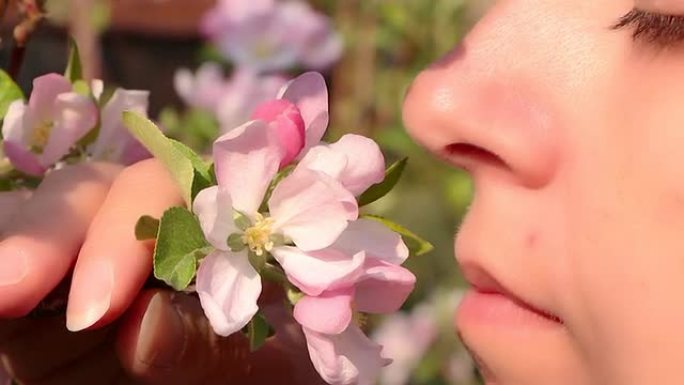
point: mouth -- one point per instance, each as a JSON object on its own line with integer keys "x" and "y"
{"x": 490, "y": 302}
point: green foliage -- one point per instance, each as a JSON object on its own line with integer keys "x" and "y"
{"x": 196, "y": 128}
{"x": 74, "y": 69}
{"x": 257, "y": 332}
{"x": 180, "y": 244}
{"x": 190, "y": 172}
{"x": 377, "y": 191}
{"x": 146, "y": 228}
{"x": 9, "y": 92}
{"x": 417, "y": 246}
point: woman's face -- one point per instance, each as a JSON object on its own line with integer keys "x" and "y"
{"x": 574, "y": 135}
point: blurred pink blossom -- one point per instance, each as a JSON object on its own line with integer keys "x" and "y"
{"x": 231, "y": 100}
{"x": 38, "y": 134}
{"x": 114, "y": 142}
{"x": 272, "y": 35}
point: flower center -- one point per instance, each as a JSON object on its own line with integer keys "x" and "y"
{"x": 40, "y": 136}
{"x": 258, "y": 236}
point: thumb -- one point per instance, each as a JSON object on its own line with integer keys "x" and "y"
{"x": 166, "y": 339}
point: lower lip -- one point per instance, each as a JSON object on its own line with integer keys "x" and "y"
{"x": 498, "y": 309}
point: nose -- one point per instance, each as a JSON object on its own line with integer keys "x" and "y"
{"x": 479, "y": 112}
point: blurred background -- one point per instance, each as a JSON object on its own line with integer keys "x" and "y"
{"x": 207, "y": 62}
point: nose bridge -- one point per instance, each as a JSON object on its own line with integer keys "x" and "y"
{"x": 486, "y": 94}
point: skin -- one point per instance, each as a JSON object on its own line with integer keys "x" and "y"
{"x": 572, "y": 133}
{"x": 142, "y": 337}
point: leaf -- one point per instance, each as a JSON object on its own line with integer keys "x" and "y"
{"x": 9, "y": 92}
{"x": 146, "y": 228}
{"x": 74, "y": 69}
{"x": 417, "y": 246}
{"x": 379, "y": 190}
{"x": 187, "y": 168}
{"x": 180, "y": 244}
{"x": 257, "y": 332}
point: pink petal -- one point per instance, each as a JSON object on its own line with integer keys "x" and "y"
{"x": 310, "y": 93}
{"x": 383, "y": 288}
{"x": 347, "y": 358}
{"x": 23, "y": 159}
{"x": 228, "y": 287}
{"x": 354, "y": 160}
{"x": 375, "y": 239}
{"x": 329, "y": 313}
{"x": 286, "y": 121}
{"x": 114, "y": 143}
{"x": 74, "y": 116}
{"x": 311, "y": 208}
{"x": 246, "y": 160}
{"x": 214, "y": 209}
{"x": 14, "y": 122}
{"x": 44, "y": 94}
{"x": 317, "y": 271}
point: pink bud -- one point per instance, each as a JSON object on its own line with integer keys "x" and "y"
{"x": 286, "y": 120}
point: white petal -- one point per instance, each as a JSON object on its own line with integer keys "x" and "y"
{"x": 228, "y": 287}
{"x": 375, "y": 239}
{"x": 214, "y": 209}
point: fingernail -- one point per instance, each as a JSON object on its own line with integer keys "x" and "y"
{"x": 13, "y": 267}
{"x": 90, "y": 296}
{"x": 162, "y": 338}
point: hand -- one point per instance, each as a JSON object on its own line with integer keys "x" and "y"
{"x": 84, "y": 216}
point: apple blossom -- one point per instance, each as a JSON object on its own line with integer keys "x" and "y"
{"x": 270, "y": 35}
{"x": 307, "y": 211}
{"x": 114, "y": 142}
{"x": 39, "y": 134}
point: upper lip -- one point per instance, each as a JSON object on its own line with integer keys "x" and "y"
{"x": 483, "y": 281}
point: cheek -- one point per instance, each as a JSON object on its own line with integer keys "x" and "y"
{"x": 623, "y": 188}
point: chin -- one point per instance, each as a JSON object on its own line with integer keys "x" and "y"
{"x": 515, "y": 345}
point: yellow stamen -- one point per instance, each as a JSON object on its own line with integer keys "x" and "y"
{"x": 258, "y": 236}
{"x": 40, "y": 136}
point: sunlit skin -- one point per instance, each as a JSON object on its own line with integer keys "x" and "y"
{"x": 572, "y": 133}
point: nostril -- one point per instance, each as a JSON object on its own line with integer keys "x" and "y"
{"x": 467, "y": 156}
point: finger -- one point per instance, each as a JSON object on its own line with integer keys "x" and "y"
{"x": 112, "y": 265}
{"x": 43, "y": 238}
{"x": 43, "y": 347}
{"x": 9, "y": 203}
{"x": 166, "y": 339}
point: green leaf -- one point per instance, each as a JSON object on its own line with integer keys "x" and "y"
{"x": 9, "y": 92}
{"x": 417, "y": 246}
{"x": 257, "y": 332}
{"x": 146, "y": 228}
{"x": 180, "y": 244}
{"x": 74, "y": 69}
{"x": 190, "y": 172}
{"x": 379, "y": 190}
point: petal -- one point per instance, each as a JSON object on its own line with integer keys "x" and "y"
{"x": 311, "y": 208}
{"x": 317, "y": 271}
{"x": 286, "y": 121}
{"x": 44, "y": 94}
{"x": 214, "y": 209}
{"x": 228, "y": 287}
{"x": 310, "y": 93}
{"x": 114, "y": 142}
{"x": 375, "y": 239}
{"x": 383, "y": 287}
{"x": 97, "y": 88}
{"x": 347, "y": 358}
{"x": 246, "y": 160}
{"x": 13, "y": 125}
{"x": 329, "y": 313}
{"x": 74, "y": 116}
{"x": 23, "y": 159}
{"x": 354, "y": 160}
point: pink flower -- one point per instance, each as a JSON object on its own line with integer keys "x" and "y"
{"x": 204, "y": 89}
{"x": 114, "y": 143}
{"x": 38, "y": 134}
{"x": 270, "y": 35}
{"x": 347, "y": 358}
{"x": 382, "y": 286}
{"x": 307, "y": 209}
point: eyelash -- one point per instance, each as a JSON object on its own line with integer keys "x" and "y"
{"x": 654, "y": 28}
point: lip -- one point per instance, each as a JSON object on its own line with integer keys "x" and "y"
{"x": 492, "y": 303}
